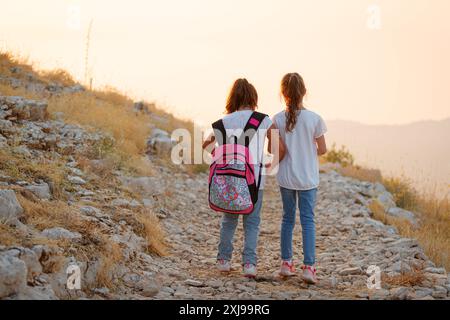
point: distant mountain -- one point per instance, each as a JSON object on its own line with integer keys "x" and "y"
{"x": 420, "y": 151}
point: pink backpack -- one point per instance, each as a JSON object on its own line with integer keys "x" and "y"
{"x": 232, "y": 183}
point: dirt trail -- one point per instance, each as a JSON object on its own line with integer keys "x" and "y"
{"x": 348, "y": 242}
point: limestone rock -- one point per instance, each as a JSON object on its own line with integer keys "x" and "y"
{"x": 10, "y": 208}
{"x": 387, "y": 200}
{"x": 30, "y": 258}
{"x": 145, "y": 186}
{"x": 13, "y": 275}
{"x": 159, "y": 143}
{"x": 350, "y": 271}
{"x": 59, "y": 233}
{"x": 124, "y": 203}
{"x": 41, "y": 191}
{"x": 36, "y": 293}
{"x": 76, "y": 180}
{"x": 401, "y": 213}
{"x": 193, "y": 283}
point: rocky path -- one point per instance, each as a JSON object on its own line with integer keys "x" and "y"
{"x": 348, "y": 242}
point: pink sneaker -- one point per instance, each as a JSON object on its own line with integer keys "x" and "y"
{"x": 309, "y": 274}
{"x": 287, "y": 269}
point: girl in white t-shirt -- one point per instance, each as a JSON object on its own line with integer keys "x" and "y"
{"x": 241, "y": 104}
{"x": 302, "y": 132}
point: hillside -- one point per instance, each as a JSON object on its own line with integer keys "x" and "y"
{"x": 419, "y": 150}
{"x": 85, "y": 183}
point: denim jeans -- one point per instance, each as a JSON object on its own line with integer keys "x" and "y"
{"x": 307, "y": 202}
{"x": 251, "y": 232}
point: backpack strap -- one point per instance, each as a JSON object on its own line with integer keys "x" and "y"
{"x": 219, "y": 130}
{"x": 255, "y": 121}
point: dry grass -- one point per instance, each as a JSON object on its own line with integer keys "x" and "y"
{"x": 403, "y": 225}
{"x": 128, "y": 129}
{"x": 405, "y": 196}
{"x": 357, "y": 172}
{"x": 19, "y": 167}
{"x": 46, "y": 214}
{"x": 9, "y": 60}
{"x": 433, "y": 211}
{"x": 108, "y": 257}
{"x": 9, "y": 236}
{"x": 57, "y": 76}
{"x": 411, "y": 278}
{"x": 107, "y": 110}
{"x": 432, "y": 232}
{"x": 7, "y": 90}
{"x": 95, "y": 246}
{"x": 151, "y": 231}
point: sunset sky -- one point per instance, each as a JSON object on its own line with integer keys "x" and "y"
{"x": 186, "y": 54}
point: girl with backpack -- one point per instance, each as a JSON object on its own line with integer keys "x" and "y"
{"x": 236, "y": 179}
{"x": 302, "y": 131}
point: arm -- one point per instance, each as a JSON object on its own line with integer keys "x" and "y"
{"x": 208, "y": 142}
{"x": 321, "y": 146}
{"x": 276, "y": 145}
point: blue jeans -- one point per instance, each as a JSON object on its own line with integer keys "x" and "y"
{"x": 307, "y": 202}
{"x": 251, "y": 232}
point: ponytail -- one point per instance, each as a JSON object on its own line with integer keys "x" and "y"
{"x": 293, "y": 90}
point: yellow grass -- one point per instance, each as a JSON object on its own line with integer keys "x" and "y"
{"x": 58, "y": 75}
{"x": 107, "y": 110}
{"x": 411, "y": 278}
{"x": 405, "y": 195}
{"x": 109, "y": 256}
{"x": 403, "y": 225}
{"x": 151, "y": 230}
{"x": 96, "y": 245}
{"x": 21, "y": 168}
{"x": 129, "y": 129}
{"x": 433, "y": 230}
{"x": 9, "y": 60}
{"x": 357, "y": 172}
{"x": 9, "y": 236}
{"x": 433, "y": 211}
{"x": 7, "y": 90}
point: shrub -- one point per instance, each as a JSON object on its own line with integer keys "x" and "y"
{"x": 341, "y": 156}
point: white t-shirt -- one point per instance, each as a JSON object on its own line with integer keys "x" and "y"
{"x": 299, "y": 170}
{"x": 235, "y": 123}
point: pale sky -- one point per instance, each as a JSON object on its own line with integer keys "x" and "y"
{"x": 186, "y": 54}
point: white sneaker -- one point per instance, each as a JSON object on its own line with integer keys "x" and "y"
{"x": 287, "y": 269}
{"x": 309, "y": 274}
{"x": 249, "y": 270}
{"x": 223, "y": 265}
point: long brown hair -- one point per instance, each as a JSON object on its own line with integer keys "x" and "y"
{"x": 293, "y": 90}
{"x": 242, "y": 94}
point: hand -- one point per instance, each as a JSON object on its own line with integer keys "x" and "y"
{"x": 270, "y": 167}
